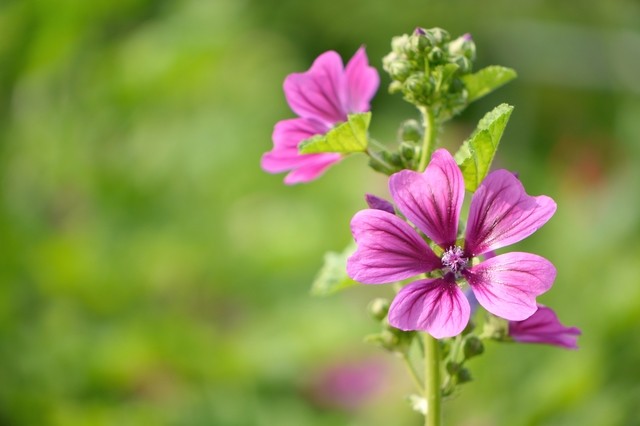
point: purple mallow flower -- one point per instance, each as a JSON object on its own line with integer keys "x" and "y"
{"x": 544, "y": 327}
{"x": 322, "y": 97}
{"x": 501, "y": 213}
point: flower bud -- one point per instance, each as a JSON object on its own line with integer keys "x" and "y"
{"x": 424, "y": 43}
{"x": 410, "y": 131}
{"x": 399, "y": 69}
{"x": 415, "y": 83}
{"x": 463, "y": 46}
{"x": 418, "y": 87}
{"x": 437, "y": 35}
{"x": 381, "y": 167}
{"x": 463, "y": 63}
{"x": 395, "y": 86}
{"x": 394, "y": 159}
{"x": 392, "y": 339}
{"x": 463, "y": 376}
{"x": 400, "y": 44}
{"x": 452, "y": 367}
{"x": 436, "y": 55}
{"x": 407, "y": 151}
{"x": 378, "y": 308}
{"x": 472, "y": 347}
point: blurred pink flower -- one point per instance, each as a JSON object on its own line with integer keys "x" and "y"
{"x": 321, "y": 97}
{"x": 544, "y": 327}
{"x": 501, "y": 213}
{"x": 349, "y": 384}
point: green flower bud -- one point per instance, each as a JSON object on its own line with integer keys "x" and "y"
{"x": 463, "y": 63}
{"x": 395, "y": 159}
{"x": 379, "y": 164}
{"x": 411, "y": 131}
{"x": 395, "y": 86}
{"x": 407, "y": 152}
{"x": 463, "y": 376}
{"x": 399, "y": 69}
{"x": 463, "y": 46}
{"x": 424, "y": 43}
{"x": 400, "y": 44}
{"x": 452, "y": 367}
{"x": 472, "y": 347}
{"x": 378, "y": 308}
{"x": 415, "y": 83}
{"x": 437, "y": 35}
{"x": 392, "y": 339}
{"x": 436, "y": 55}
{"x": 389, "y": 339}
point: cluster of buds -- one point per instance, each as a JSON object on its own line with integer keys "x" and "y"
{"x": 427, "y": 67}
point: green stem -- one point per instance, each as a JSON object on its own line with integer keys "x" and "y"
{"x": 429, "y": 139}
{"x": 412, "y": 372}
{"x": 432, "y": 381}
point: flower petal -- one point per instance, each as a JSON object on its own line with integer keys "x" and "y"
{"x": 287, "y": 134}
{"x": 436, "y": 306}
{"x": 502, "y": 213}
{"x": 362, "y": 82}
{"x": 544, "y": 327}
{"x": 320, "y": 92}
{"x": 388, "y": 249}
{"x": 507, "y": 285}
{"x": 431, "y": 200}
{"x": 311, "y": 167}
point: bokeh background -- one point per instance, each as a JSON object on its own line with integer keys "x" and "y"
{"x": 152, "y": 274}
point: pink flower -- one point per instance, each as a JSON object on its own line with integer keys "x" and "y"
{"x": 544, "y": 327}
{"x": 322, "y": 97}
{"x": 501, "y": 213}
{"x": 349, "y": 384}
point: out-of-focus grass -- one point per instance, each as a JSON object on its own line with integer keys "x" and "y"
{"x": 151, "y": 273}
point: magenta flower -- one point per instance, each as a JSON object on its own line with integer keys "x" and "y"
{"x": 349, "y": 385}
{"x": 322, "y": 97}
{"x": 544, "y": 327}
{"x": 501, "y": 213}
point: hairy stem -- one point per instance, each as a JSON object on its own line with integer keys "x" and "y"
{"x": 429, "y": 139}
{"x": 432, "y": 381}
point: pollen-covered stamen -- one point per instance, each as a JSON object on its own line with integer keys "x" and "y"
{"x": 453, "y": 259}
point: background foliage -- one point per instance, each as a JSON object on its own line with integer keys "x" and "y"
{"x": 151, "y": 273}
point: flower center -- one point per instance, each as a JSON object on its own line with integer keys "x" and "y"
{"x": 453, "y": 259}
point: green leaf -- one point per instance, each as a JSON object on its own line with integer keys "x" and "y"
{"x": 487, "y": 80}
{"x": 350, "y": 136}
{"x": 477, "y": 152}
{"x": 333, "y": 277}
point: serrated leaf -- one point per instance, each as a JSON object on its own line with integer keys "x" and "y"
{"x": 487, "y": 80}
{"x": 350, "y": 136}
{"x": 476, "y": 154}
{"x": 332, "y": 277}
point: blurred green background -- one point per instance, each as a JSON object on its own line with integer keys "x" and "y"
{"x": 152, "y": 274}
